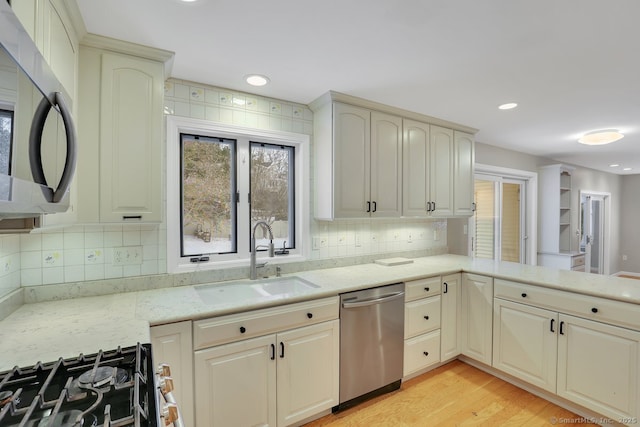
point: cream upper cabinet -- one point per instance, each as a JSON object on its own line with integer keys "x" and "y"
{"x": 463, "y": 167}
{"x": 437, "y": 171}
{"x": 120, "y": 127}
{"x": 350, "y": 183}
{"x": 372, "y": 160}
{"x": 441, "y": 170}
{"x": 416, "y": 168}
{"x": 386, "y": 165}
{"x": 477, "y": 317}
{"x": 50, "y": 25}
{"x": 358, "y": 163}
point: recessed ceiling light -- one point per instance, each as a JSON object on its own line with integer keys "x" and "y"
{"x": 507, "y": 106}
{"x": 600, "y": 137}
{"x": 256, "y": 79}
{"x": 614, "y": 165}
{"x": 627, "y": 169}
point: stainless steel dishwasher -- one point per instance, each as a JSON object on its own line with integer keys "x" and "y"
{"x": 371, "y": 343}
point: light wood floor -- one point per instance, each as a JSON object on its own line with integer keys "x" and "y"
{"x": 455, "y": 394}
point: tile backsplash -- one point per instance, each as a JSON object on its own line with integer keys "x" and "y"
{"x": 97, "y": 252}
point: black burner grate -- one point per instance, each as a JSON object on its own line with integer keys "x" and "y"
{"x": 110, "y": 388}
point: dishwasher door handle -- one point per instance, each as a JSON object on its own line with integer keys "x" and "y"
{"x": 373, "y": 301}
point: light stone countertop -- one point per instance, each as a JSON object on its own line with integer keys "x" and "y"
{"x": 46, "y": 331}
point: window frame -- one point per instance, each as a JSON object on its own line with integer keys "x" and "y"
{"x": 177, "y": 125}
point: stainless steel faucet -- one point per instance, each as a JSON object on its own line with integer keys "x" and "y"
{"x": 264, "y": 225}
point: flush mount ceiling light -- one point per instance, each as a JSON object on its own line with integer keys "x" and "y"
{"x": 256, "y": 79}
{"x": 614, "y": 165}
{"x": 600, "y": 137}
{"x": 508, "y": 106}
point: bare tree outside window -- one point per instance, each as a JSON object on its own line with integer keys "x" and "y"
{"x": 208, "y": 195}
{"x": 272, "y": 191}
{"x": 6, "y": 119}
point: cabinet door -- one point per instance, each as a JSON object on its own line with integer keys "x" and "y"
{"x": 308, "y": 371}
{"x": 441, "y": 171}
{"x": 172, "y": 344}
{"x": 235, "y": 384}
{"x": 352, "y": 142}
{"x": 477, "y": 317}
{"x": 463, "y": 152}
{"x": 525, "y": 343}
{"x": 599, "y": 366}
{"x": 449, "y": 325}
{"x": 386, "y": 165}
{"x": 60, "y": 47}
{"x": 415, "y": 170}
{"x": 130, "y": 139}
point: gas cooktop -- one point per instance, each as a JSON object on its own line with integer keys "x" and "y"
{"x": 108, "y": 388}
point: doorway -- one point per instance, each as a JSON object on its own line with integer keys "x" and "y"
{"x": 499, "y": 223}
{"x": 594, "y": 223}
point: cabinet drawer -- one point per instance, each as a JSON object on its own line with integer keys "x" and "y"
{"x": 577, "y": 261}
{"x": 585, "y": 306}
{"x": 421, "y": 352}
{"x": 421, "y": 316}
{"x": 220, "y": 330}
{"x": 421, "y": 288}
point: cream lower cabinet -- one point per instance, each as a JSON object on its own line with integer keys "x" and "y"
{"x": 477, "y": 317}
{"x": 450, "y": 325}
{"x": 273, "y": 380}
{"x": 599, "y": 367}
{"x": 525, "y": 343}
{"x": 172, "y": 344}
{"x": 581, "y": 359}
{"x": 421, "y": 324}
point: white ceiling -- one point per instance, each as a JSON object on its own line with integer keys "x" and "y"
{"x": 573, "y": 66}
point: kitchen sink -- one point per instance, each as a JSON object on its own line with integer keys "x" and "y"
{"x": 276, "y": 287}
{"x": 283, "y": 286}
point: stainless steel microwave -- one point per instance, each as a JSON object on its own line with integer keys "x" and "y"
{"x": 37, "y": 133}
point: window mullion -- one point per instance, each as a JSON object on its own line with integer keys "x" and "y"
{"x": 243, "y": 219}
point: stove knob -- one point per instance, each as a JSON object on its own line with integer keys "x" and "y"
{"x": 169, "y": 413}
{"x": 165, "y": 384}
{"x": 164, "y": 370}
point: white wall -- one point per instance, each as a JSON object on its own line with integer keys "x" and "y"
{"x": 630, "y": 230}
{"x": 582, "y": 179}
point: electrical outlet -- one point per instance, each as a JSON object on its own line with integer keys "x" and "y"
{"x": 358, "y": 240}
{"x": 319, "y": 242}
{"x": 409, "y": 238}
{"x": 624, "y": 257}
{"x": 127, "y": 255}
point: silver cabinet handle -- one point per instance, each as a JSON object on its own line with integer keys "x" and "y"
{"x": 373, "y": 301}
{"x": 35, "y": 144}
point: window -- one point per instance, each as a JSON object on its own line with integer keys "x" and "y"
{"x": 272, "y": 192}
{"x": 221, "y": 180}
{"x": 6, "y": 127}
{"x": 208, "y": 195}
